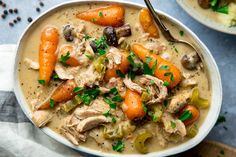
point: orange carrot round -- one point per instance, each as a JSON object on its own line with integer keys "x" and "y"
{"x": 148, "y": 23}
{"x": 133, "y": 107}
{"x": 108, "y": 16}
{"x": 123, "y": 67}
{"x": 47, "y": 52}
{"x": 195, "y": 114}
{"x": 72, "y": 61}
{"x": 62, "y": 93}
{"x": 165, "y": 70}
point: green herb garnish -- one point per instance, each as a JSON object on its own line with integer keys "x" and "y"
{"x": 181, "y": 33}
{"x": 86, "y": 37}
{"x": 100, "y": 14}
{"x": 148, "y": 59}
{"x": 117, "y": 98}
{"x": 164, "y": 67}
{"x": 93, "y": 19}
{"x": 52, "y": 103}
{"x": 64, "y": 58}
{"x": 154, "y": 67}
{"x": 119, "y": 73}
{"x": 185, "y": 115}
{"x": 151, "y": 51}
{"x": 145, "y": 109}
{"x": 166, "y": 83}
{"x": 42, "y": 82}
{"x": 77, "y": 89}
{"x": 113, "y": 91}
{"x": 153, "y": 116}
{"x": 88, "y": 95}
{"x": 55, "y": 77}
{"x": 110, "y": 102}
{"x": 170, "y": 74}
{"x": 107, "y": 113}
{"x": 113, "y": 119}
{"x": 173, "y": 124}
{"x": 152, "y": 82}
{"x": 118, "y": 146}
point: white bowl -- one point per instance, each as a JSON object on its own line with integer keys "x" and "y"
{"x": 215, "y": 83}
{"x": 198, "y": 16}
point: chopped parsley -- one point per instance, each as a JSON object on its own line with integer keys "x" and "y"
{"x": 110, "y": 102}
{"x": 154, "y": 67}
{"x": 120, "y": 74}
{"x": 42, "y": 82}
{"x": 86, "y": 37}
{"x": 88, "y": 95}
{"x": 64, "y": 58}
{"x": 55, "y": 76}
{"x": 100, "y": 14}
{"x": 52, "y": 103}
{"x": 131, "y": 74}
{"x": 117, "y": 98}
{"x": 166, "y": 83}
{"x": 118, "y": 146}
{"x": 146, "y": 69}
{"x": 185, "y": 115}
{"x": 176, "y": 50}
{"x": 164, "y": 67}
{"x": 113, "y": 91}
{"x": 170, "y": 74}
{"x": 173, "y": 124}
{"x": 77, "y": 89}
{"x": 221, "y": 9}
{"x": 181, "y": 33}
{"x": 113, "y": 119}
{"x": 131, "y": 60}
{"x": 153, "y": 116}
{"x": 152, "y": 82}
{"x": 148, "y": 59}
{"x": 90, "y": 57}
{"x": 101, "y": 45}
{"x": 107, "y": 113}
{"x": 145, "y": 109}
{"x": 93, "y": 19}
{"x": 151, "y": 51}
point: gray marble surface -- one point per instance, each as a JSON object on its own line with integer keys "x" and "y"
{"x": 222, "y": 47}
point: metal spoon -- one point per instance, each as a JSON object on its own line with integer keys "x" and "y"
{"x": 166, "y": 32}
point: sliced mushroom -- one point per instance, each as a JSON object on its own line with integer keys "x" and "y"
{"x": 110, "y": 34}
{"x": 68, "y": 33}
{"x": 205, "y": 4}
{"x": 123, "y": 31}
{"x": 190, "y": 61}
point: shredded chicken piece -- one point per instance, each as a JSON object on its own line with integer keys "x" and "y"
{"x": 88, "y": 77}
{"x": 114, "y": 57}
{"x": 178, "y": 101}
{"x": 132, "y": 86}
{"x": 65, "y": 73}
{"x": 117, "y": 83}
{"x": 41, "y": 117}
{"x": 172, "y": 125}
{"x": 146, "y": 80}
{"x": 156, "y": 46}
{"x": 31, "y": 64}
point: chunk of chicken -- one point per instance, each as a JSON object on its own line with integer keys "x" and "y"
{"x": 31, "y": 64}
{"x": 41, "y": 117}
{"x": 173, "y": 125}
{"x": 132, "y": 86}
{"x": 66, "y": 73}
{"x": 91, "y": 122}
{"x": 114, "y": 57}
{"x": 178, "y": 101}
{"x": 88, "y": 77}
{"x": 117, "y": 83}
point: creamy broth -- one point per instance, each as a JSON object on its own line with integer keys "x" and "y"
{"x": 31, "y": 88}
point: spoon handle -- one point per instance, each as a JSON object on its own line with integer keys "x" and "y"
{"x": 158, "y": 21}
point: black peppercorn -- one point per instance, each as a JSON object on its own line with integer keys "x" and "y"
{"x": 4, "y": 5}
{"x": 5, "y": 12}
{"x": 3, "y": 16}
{"x": 15, "y": 21}
{"x": 11, "y": 24}
{"x": 1, "y": 2}
{"x": 15, "y": 10}
{"x": 18, "y": 18}
{"x": 41, "y": 4}
{"x": 30, "y": 19}
{"x": 10, "y": 11}
{"x": 38, "y": 9}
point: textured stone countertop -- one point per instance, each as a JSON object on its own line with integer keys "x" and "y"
{"x": 222, "y": 47}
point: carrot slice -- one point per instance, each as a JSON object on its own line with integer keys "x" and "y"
{"x": 148, "y": 23}
{"x": 62, "y": 93}
{"x": 164, "y": 70}
{"x": 133, "y": 107}
{"x": 108, "y": 16}
{"x": 123, "y": 67}
{"x": 72, "y": 61}
{"x": 47, "y": 53}
{"x": 194, "y": 111}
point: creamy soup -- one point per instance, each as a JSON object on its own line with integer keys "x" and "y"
{"x": 225, "y": 13}
{"x": 112, "y": 82}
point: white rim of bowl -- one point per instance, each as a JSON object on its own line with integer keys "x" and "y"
{"x": 212, "y": 24}
{"x": 203, "y": 130}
